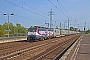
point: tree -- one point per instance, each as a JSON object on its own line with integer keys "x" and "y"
{"x": 21, "y": 29}
{"x": 31, "y": 26}
{"x": 2, "y": 31}
{"x": 72, "y": 28}
{"x": 88, "y": 31}
{"x": 5, "y": 25}
{"x": 15, "y": 30}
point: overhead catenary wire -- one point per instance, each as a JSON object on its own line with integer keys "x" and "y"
{"x": 2, "y": 11}
{"x": 33, "y": 8}
{"x": 58, "y": 9}
{"x": 25, "y": 8}
{"x": 61, "y": 7}
{"x": 6, "y": 11}
{"x": 24, "y": 18}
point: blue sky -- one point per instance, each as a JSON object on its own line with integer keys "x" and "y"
{"x": 36, "y": 12}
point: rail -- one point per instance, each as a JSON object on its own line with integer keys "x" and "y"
{"x": 57, "y": 57}
{"x": 30, "y": 51}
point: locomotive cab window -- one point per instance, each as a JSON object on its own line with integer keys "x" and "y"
{"x": 32, "y": 29}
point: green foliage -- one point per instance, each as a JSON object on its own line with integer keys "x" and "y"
{"x": 5, "y": 25}
{"x": 88, "y": 32}
{"x": 72, "y": 28}
{"x": 17, "y": 30}
{"x": 21, "y": 29}
{"x": 2, "y": 31}
{"x": 32, "y": 26}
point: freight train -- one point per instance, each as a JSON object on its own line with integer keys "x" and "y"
{"x": 42, "y": 33}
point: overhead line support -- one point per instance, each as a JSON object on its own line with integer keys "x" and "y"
{"x": 51, "y": 17}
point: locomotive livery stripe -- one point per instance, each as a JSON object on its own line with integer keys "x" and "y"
{"x": 38, "y": 33}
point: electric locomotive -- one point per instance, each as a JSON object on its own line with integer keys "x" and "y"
{"x": 39, "y": 33}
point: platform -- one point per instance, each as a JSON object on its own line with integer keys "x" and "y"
{"x": 82, "y": 50}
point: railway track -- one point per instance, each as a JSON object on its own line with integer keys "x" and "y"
{"x": 10, "y": 45}
{"x": 21, "y": 51}
{"x": 33, "y": 50}
{"x": 56, "y": 52}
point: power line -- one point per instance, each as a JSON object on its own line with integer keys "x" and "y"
{"x": 61, "y": 6}
{"x": 51, "y": 13}
{"x": 8, "y": 11}
{"x": 23, "y": 17}
{"x": 23, "y": 2}
{"x": 58, "y": 9}
{"x": 24, "y": 8}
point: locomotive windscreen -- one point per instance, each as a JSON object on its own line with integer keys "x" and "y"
{"x": 32, "y": 29}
